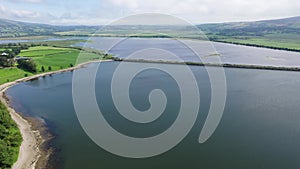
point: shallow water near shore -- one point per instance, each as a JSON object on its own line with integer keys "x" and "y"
{"x": 260, "y": 127}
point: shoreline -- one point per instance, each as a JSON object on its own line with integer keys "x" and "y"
{"x": 31, "y": 150}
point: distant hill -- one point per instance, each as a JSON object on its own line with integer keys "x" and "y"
{"x": 281, "y": 34}
{"x": 258, "y": 28}
{"x": 9, "y": 28}
{"x": 291, "y": 22}
{"x": 278, "y": 34}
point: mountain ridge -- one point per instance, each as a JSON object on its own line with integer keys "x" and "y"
{"x": 281, "y": 33}
{"x": 11, "y": 28}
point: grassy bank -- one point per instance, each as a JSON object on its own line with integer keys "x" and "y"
{"x": 10, "y": 139}
{"x": 12, "y": 74}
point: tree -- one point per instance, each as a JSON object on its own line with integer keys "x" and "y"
{"x": 49, "y": 68}
{"x": 4, "y": 155}
{"x": 6, "y": 62}
{"x": 16, "y": 51}
{"x": 27, "y": 65}
{"x": 43, "y": 69}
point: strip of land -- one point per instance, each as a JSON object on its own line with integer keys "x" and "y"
{"x": 228, "y": 65}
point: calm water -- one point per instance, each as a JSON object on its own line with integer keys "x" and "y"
{"x": 145, "y": 48}
{"x": 260, "y": 127}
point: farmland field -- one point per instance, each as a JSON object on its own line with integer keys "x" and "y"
{"x": 51, "y": 58}
{"x": 272, "y": 40}
{"x": 56, "y": 58}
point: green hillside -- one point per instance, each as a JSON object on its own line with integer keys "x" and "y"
{"x": 9, "y": 29}
{"x": 277, "y": 34}
{"x": 280, "y": 33}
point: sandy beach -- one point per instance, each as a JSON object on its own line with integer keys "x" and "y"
{"x": 30, "y": 151}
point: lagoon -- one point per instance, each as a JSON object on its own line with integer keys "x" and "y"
{"x": 191, "y": 50}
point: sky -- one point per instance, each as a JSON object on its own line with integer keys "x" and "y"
{"x": 99, "y": 12}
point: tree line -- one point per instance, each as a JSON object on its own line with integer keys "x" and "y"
{"x": 11, "y": 50}
{"x": 10, "y": 139}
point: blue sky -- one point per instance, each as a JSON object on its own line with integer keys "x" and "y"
{"x": 96, "y": 12}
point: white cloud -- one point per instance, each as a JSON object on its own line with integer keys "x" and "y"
{"x": 14, "y": 14}
{"x": 215, "y": 10}
{"x": 76, "y": 19}
{"x": 34, "y": 1}
{"x": 195, "y": 11}
{"x": 30, "y": 1}
{"x": 132, "y": 4}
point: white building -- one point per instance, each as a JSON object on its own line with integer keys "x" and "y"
{"x": 4, "y": 54}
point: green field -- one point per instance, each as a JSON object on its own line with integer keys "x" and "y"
{"x": 11, "y": 74}
{"x": 3, "y": 49}
{"x": 289, "y": 41}
{"x": 43, "y": 51}
{"x": 57, "y": 58}
{"x": 45, "y": 56}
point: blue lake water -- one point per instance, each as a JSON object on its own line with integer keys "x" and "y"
{"x": 260, "y": 127}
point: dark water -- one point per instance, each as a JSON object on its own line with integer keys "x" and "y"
{"x": 260, "y": 127}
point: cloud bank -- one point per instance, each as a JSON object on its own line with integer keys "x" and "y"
{"x": 95, "y": 12}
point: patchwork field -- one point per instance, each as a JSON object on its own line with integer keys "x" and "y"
{"x": 48, "y": 59}
{"x": 57, "y": 58}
